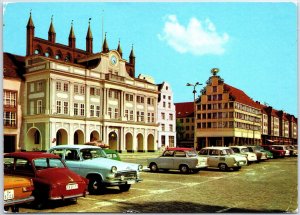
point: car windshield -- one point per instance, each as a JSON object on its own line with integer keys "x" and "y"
{"x": 244, "y": 150}
{"x": 191, "y": 153}
{"x": 90, "y": 153}
{"x": 46, "y": 163}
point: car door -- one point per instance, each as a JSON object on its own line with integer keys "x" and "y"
{"x": 166, "y": 161}
{"x": 72, "y": 159}
{"x": 180, "y": 158}
{"x": 213, "y": 158}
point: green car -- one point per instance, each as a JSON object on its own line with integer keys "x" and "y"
{"x": 269, "y": 154}
{"x": 112, "y": 154}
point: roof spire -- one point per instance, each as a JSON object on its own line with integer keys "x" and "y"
{"x": 132, "y": 52}
{"x": 119, "y": 49}
{"x": 51, "y": 28}
{"x": 30, "y": 22}
{"x": 72, "y": 35}
{"x": 89, "y": 34}
{"x": 105, "y": 48}
{"x": 51, "y": 32}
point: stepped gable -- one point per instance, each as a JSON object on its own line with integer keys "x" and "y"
{"x": 14, "y": 66}
{"x": 185, "y": 109}
{"x": 240, "y": 96}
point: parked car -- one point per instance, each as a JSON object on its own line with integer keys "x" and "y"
{"x": 183, "y": 159}
{"x": 51, "y": 178}
{"x": 282, "y": 147}
{"x": 91, "y": 162}
{"x": 261, "y": 156}
{"x": 223, "y": 158}
{"x": 293, "y": 150}
{"x": 277, "y": 153}
{"x": 268, "y": 153}
{"x": 243, "y": 150}
{"x": 17, "y": 190}
{"x": 112, "y": 154}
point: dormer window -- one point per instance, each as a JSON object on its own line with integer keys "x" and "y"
{"x": 36, "y": 51}
{"x": 47, "y": 54}
{"x": 57, "y": 56}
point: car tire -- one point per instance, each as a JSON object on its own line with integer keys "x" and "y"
{"x": 124, "y": 187}
{"x": 223, "y": 167}
{"x": 153, "y": 167}
{"x": 95, "y": 185}
{"x": 184, "y": 169}
{"x": 15, "y": 208}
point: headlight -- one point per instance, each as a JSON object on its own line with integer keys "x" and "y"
{"x": 114, "y": 169}
{"x": 140, "y": 168}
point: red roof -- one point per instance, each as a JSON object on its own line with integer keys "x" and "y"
{"x": 184, "y": 109}
{"x": 14, "y": 66}
{"x": 179, "y": 149}
{"x": 240, "y": 96}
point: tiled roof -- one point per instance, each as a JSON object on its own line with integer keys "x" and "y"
{"x": 14, "y": 66}
{"x": 184, "y": 109}
{"x": 240, "y": 96}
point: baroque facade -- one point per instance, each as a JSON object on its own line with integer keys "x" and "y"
{"x": 73, "y": 96}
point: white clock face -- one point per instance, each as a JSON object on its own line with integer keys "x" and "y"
{"x": 113, "y": 60}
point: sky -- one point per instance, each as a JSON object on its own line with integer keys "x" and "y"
{"x": 254, "y": 44}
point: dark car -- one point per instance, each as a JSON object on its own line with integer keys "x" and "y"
{"x": 51, "y": 178}
{"x": 276, "y": 152}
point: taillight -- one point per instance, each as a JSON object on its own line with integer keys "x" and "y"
{"x": 28, "y": 189}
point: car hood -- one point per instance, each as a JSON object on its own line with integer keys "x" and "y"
{"x": 108, "y": 163}
{"x": 58, "y": 175}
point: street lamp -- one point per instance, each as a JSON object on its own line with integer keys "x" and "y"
{"x": 195, "y": 123}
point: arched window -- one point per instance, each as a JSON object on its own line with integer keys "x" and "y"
{"x": 37, "y": 137}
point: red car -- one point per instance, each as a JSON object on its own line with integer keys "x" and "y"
{"x": 51, "y": 178}
{"x": 276, "y": 152}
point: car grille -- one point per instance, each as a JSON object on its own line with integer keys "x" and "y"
{"x": 126, "y": 175}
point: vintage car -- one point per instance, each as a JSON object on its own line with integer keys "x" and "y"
{"x": 261, "y": 149}
{"x": 92, "y": 163}
{"x": 112, "y": 154}
{"x": 284, "y": 148}
{"x": 183, "y": 159}
{"x": 261, "y": 156}
{"x": 293, "y": 150}
{"x": 243, "y": 150}
{"x": 277, "y": 153}
{"x": 51, "y": 178}
{"x": 223, "y": 158}
{"x": 17, "y": 190}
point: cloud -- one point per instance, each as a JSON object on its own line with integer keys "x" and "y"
{"x": 197, "y": 38}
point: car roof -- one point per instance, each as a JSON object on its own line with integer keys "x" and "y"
{"x": 238, "y": 146}
{"x": 75, "y": 147}
{"x": 179, "y": 149}
{"x": 217, "y": 147}
{"x": 31, "y": 155}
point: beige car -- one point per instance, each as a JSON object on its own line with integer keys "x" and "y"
{"x": 183, "y": 159}
{"x": 223, "y": 158}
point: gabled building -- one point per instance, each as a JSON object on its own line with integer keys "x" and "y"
{"x": 185, "y": 124}
{"x": 73, "y": 96}
{"x": 166, "y": 116}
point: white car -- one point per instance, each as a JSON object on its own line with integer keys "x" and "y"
{"x": 243, "y": 150}
{"x": 223, "y": 158}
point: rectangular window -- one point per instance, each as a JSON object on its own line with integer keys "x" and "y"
{"x": 163, "y": 115}
{"x": 169, "y": 105}
{"x": 170, "y": 127}
{"x": 9, "y": 119}
{"x": 152, "y": 116}
{"x": 82, "y": 109}
{"x": 10, "y": 98}
{"x": 131, "y": 115}
{"x": 110, "y": 93}
{"x": 39, "y": 106}
{"x": 82, "y": 90}
{"x": 58, "y": 106}
{"x": 116, "y": 113}
{"x": 149, "y": 117}
{"x": 98, "y": 111}
{"x": 142, "y": 116}
{"x": 98, "y": 92}
{"x": 31, "y": 86}
{"x": 92, "y": 110}
{"x": 58, "y": 86}
{"x": 163, "y": 127}
{"x": 39, "y": 86}
{"x": 76, "y": 89}
{"x": 66, "y": 87}
{"x": 109, "y": 112}
{"x": 75, "y": 109}
{"x": 92, "y": 91}
{"x": 66, "y": 107}
{"x": 126, "y": 114}
{"x": 170, "y": 116}
{"x": 116, "y": 95}
{"x": 215, "y": 88}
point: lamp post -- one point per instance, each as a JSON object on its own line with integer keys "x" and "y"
{"x": 195, "y": 122}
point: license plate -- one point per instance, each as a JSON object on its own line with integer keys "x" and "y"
{"x": 9, "y": 194}
{"x": 72, "y": 187}
{"x": 131, "y": 182}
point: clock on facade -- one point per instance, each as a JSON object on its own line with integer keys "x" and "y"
{"x": 113, "y": 60}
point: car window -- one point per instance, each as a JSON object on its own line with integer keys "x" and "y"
{"x": 243, "y": 150}
{"x": 71, "y": 155}
{"x": 168, "y": 153}
{"x": 191, "y": 153}
{"x": 214, "y": 152}
{"x": 45, "y": 163}
{"x": 203, "y": 152}
{"x": 23, "y": 167}
{"x": 58, "y": 152}
{"x": 236, "y": 150}
{"x": 90, "y": 153}
{"x": 179, "y": 154}
{"x": 229, "y": 152}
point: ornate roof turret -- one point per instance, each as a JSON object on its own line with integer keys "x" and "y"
{"x": 30, "y": 22}
{"x": 119, "y": 49}
{"x": 51, "y": 28}
{"x": 105, "y": 48}
{"x": 132, "y": 56}
{"x": 89, "y": 39}
{"x": 72, "y": 37}
{"x": 51, "y": 32}
{"x": 89, "y": 34}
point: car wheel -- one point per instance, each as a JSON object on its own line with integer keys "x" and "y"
{"x": 15, "y": 208}
{"x": 95, "y": 185}
{"x": 223, "y": 166}
{"x": 184, "y": 169}
{"x": 124, "y": 187}
{"x": 153, "y": 167}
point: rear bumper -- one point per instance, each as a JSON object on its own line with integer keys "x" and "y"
{"x": 68, "y": 197}
{"x": 18, "y": 201}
